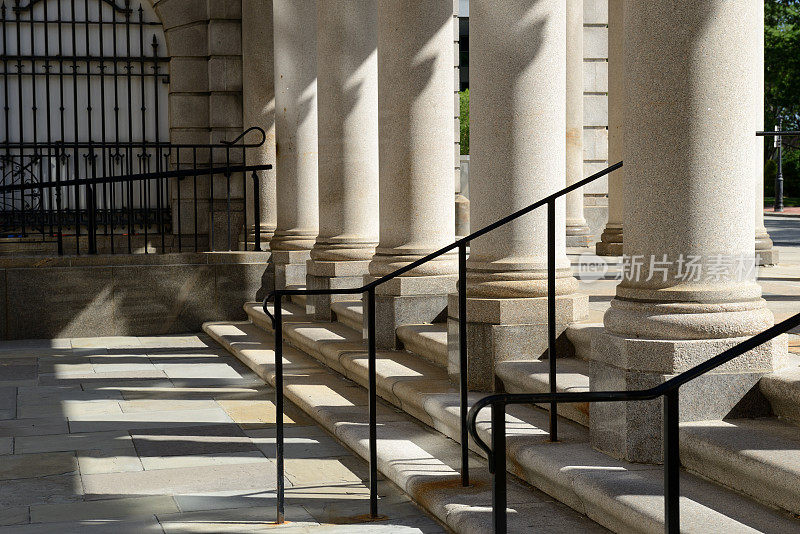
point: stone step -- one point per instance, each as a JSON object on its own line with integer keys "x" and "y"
{"x": 759, "y": 457}
{"x": 300, "y": 300}
{"x": 533, "y": 376}
{"x": 404, "y": 379}
{"x": 622, "y": 496}
{"x": 426, "y": 340}
{"x": 421, "y": 462}
{"x": 580, "y": 335}
{"x": 782, "y": 389}
{"x": 350, "y": 313}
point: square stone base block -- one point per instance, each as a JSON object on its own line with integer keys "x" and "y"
{"x": 767, "y": 257}
{"x": 608, "y": 249}
{"x": 633, "y": 430}
{"x": 407, "y": 300}
{"x": 332, "y": 275}
{"x": 507, "y": 329}
{"x": 582, "y": 240}
{"x": 290, "y": 267}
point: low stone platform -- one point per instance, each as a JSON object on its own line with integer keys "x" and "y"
{"x": 167, "y": 434}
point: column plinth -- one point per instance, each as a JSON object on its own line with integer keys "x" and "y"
{"x": 295, "y": 52}
{"x": 347, "y": 82}
{"x": 688, "y": 290}
{"x": 517, "y": 156}
{"x": 610, "y": 243}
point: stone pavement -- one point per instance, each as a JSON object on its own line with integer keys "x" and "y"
{"x": 780, "y": 283}
{"x": 166, "y": 434}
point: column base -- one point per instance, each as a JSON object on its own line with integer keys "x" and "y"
{"x": 633, "y": 430}
{"x": 504, "y": 329}
{"x": 408, "y": 300}
{"x": 247, "y": 239}
{"x": 332, "y": 275}
{"x": 578, "y": 236}
{"x": 290, "y": 267}
{"x": 462, "y": 216}
{"x": 767, "y": 257}
{"x": 610, "y": 243}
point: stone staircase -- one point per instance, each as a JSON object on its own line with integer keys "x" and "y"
{"x": 739, "y": 476}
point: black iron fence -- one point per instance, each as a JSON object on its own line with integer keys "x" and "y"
{"x": 147, "y": 197}
{"x": 368, "y": 292}
{"x": 84, "y": 96}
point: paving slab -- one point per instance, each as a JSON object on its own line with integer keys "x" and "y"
{"x": 108, "y": 509}
{"x": 110, "y": 440}
{"x": 140, "y": 420}
{"x": 149, "y": 525}
{"x": 109, "y": 461}
{"x": 39, "y": 490}
{"x": 179, "y": 480}
{"x": 151, "y": 463}
{"x": 37, "y": 465}
{"x": 190, "y": 440}
{"x": 299, "y": 442}
{"x": 33, "y": 426}
{"x": 249, "y": 414}
{"x": 14, "y": 515}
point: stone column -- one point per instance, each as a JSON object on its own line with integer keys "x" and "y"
{"x": 688, "y": 290}
{"x": 295, "y": 34}
{"x": 347, "y": 81}
{"x": 415, "y": 95}
{"x": 765, "y": 253}
{"x": 577, "y": 229}
{"x": 610, "y": 243}
{"x": 258, "y": 101}
{"x": 517, "y": 125}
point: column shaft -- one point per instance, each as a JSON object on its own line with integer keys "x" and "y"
{"x": 416, "y": 140}
{"x": 258, "y": 100}
{"x": 347, "y": 83}
{"x": 296, "y": 138}
{"x": 610, "y": 243}
{"x": 688, "y": 290}
{"x": 577, "y": 229}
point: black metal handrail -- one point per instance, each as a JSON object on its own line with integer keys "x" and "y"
{"x": 668, "y": 389}
{"x": 369, "y": 291}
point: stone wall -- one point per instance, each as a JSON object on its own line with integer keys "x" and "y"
{"x": 126, "y": 295}
{"x": 205, "y": 95}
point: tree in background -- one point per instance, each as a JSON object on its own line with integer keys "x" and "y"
{"x": 782, "y": 89}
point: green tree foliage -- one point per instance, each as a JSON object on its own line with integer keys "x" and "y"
{"x": 782, "y": 86}
{"x": 463, "y": 106}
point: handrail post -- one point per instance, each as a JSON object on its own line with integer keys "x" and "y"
{"x": 256, "y": 215}
{"x": 373, "y": 434}
{"x": 462, "y": 358}
{"x": 672, "y": 460}
{"x": 279, "y": 407}
{"x": 551, "y": 312}
{"x": 498, "y": 460}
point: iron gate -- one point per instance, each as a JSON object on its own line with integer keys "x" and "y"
{"x": 84, "y": 97}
